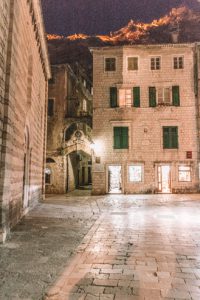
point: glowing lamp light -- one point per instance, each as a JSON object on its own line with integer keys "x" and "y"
{"x": 92, "y": 145}
{"x": 97, "y": 147}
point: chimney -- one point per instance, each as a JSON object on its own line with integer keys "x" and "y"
{"x": 175, "y": 37}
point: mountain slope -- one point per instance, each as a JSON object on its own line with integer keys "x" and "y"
{"x": 66, "y": 17}
{"x": 182, "y": 21}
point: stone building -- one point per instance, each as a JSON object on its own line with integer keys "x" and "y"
{"x": 147, "y": 97}
{"x": 68, "y": 163}
{"x": 24, "y": 74}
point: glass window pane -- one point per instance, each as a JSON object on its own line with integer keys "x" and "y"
{"x": 132, "y": 63}
{"x": 160, "y": 95}
{"x": 110, "y": 64}
{"x": 135, "y": 173}
{"x": 122, "y": 97}
{"x": 167, "y": 94}
{"x": 184, "y": 173}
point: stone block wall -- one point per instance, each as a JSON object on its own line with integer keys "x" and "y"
{"x": 145, "y": 123}
{"x": 24, "y": 112}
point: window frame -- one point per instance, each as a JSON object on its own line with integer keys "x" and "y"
{"x": 132, "y": 56}
{"x": 155, "y": 57}
{"x": 163, "y": 95}
{"x": 128, "y": 134}
{"x": 190, "y": 172}
{"x": 84, "y": 105}
{"x": 107, "y": 57}
{"x": 142, "y": 172}
{"x": 50, "y": 175}
{"x": 178, "y": 56}
{"x": 125, "y": 91}
{"x": 170, "y": 142}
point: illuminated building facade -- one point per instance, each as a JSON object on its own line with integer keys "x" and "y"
{"x": 146, "y": 119}
{"x": 24, "y": 74}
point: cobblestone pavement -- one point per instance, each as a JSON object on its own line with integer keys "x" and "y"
{"x": 119, "y": 247}
{"x": 140, "y": 247}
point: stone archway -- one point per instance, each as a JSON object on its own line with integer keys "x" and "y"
{"x": 78, "y": 170}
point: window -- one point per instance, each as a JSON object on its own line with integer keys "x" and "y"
{"x": 47, "y": 176}
{"x": 113, "y": 97}
{"x": 179, "y": 62}
{"x": 84, "y": 105}
{"x": 155, "y": 63}
{"x": 125, "y": 97}
{"x": 135, "y": 173}
{"x": 176, "y": 95}
{"x": 110, "y": 64}
{"x": 164, "y": 95}
{"x": 132, "y": 63}
{"x": 50, "y": 107}
{"x": 170, "y": 137}
{"x": 120, "y": 137}
{"x": 184, "y": 173}
{"x": 136, "y": 96}
{"x": 152, "y": 96}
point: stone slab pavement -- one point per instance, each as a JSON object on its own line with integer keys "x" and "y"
{"x": 119, "y": 247}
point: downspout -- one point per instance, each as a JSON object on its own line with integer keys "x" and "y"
{"x": 196, "y": 92}
{"x": 44, "y": 140}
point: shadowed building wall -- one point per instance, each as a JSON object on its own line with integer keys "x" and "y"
{"x": 24, "y": 74}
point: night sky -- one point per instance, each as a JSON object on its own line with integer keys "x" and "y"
{"x": 67, "y": 17}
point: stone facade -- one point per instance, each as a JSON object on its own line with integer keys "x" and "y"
{"x": 146, "y": 164}
{"x": 69, "y": 129}
{"x": 24, "y": 73}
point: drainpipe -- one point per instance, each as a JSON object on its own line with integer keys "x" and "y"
{"x": 44, "y": 140}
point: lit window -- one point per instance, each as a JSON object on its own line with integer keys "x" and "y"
{"x": 132, "y": 63}
{"x": 155, "y": 63}
{"x": 179, "y": 62}
{"x": 184, "y": 173}
{"x": 110, "y": 64}
{"x": 135, "y": 173}
{"x": 47, "y": 176}
{"x": 84, "y": 105}
{"x": 164, "y": 95}
{"x": 125, "y": 97}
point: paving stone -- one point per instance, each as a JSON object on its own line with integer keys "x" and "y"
{"x": 136, "y": 255}
{"x": 105, "y": 282}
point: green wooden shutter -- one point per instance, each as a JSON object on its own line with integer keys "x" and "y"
{"x": 113, "y": 97}
{"x": 117, "y": 137}
{"x": 124, "y": 137}
{"x": 166, "y": 138}
{"x": 136, "y": 96}
{"x": 120, "y": 137}
{"x": 175, "y": 96}
{"x": 152, "y": 96}
{"x": 174, "y": 137}
{"x": 170, "y": 137}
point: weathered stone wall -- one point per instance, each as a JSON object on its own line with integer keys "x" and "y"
{"x": 24, "y": 113}
{"x": 145, "y": 123}
{"x": 68, "y": 92}
{"x": 4, "y": 17}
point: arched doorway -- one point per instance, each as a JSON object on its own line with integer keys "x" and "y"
{"x": 79, "y": 170}
{"x": 78, "y": 152}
